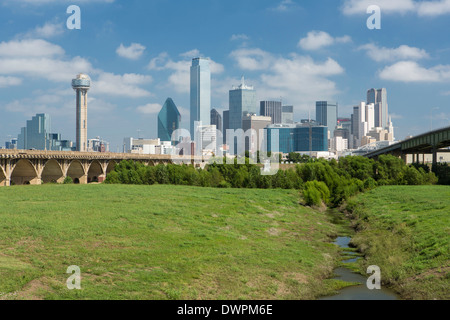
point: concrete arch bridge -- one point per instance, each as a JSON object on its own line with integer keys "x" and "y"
{"x": 20, "y": 167}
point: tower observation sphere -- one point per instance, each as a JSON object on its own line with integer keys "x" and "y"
{"x": 81, "y": 84}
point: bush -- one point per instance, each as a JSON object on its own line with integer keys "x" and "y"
{"x": 370, "y": 184}
{"x": 315, "y": 193}
{"x": 68, "y": 180}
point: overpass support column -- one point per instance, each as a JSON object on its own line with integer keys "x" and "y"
{"x": 404, "y": 157}
{"x": 434, "y": 167}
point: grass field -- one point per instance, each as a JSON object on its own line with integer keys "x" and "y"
{"x": 162, "y": 242}
{"x": 405, "y": 230}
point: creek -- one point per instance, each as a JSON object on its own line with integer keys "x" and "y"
{"x": 357, "y": 292}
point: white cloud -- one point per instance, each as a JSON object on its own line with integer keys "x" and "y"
{"x": 351, "y": 7}
{"x": 411, "y": 71}
{"x": 29, "y": 48}
{"x": 9, "y": 81}
{"x": 195, "y": 53}
{"x": 44, "y": 2}
{"x": 122, "y": 85}
{"x": 403, "y": 52}
{"x": 39, "y": 59}
{"x": 433, "y": 8}
{"x": 179, "y": 79}
{"x": 150, "y": 108}
{"x": 46, "y": 68}
{"x": 284, "y": 5}
{"x": 252, "y": 59}
{"x": 298, "y": 78}
{"x": 133, "y": 52}
{"x": 237, "y": 37}
{"x": 318, "y": 39}
{"x": 47, "y": 31}
{"x": 422, "y": 8}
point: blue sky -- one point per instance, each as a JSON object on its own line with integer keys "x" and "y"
{"x": 138, "y": 53}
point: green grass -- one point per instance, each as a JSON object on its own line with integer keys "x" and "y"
{"x": 162, "y": 242}
{"x": 405, "y": 230}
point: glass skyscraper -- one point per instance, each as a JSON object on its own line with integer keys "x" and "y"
{"x": 169, "y": 119}
{"x": 379, "y": 99}
{"x": 200, "y": 93}
{"x": 36, "y": 135}
{"x": 287, "y": 115}
{"x": 299, "y": 138}
{"x": 216, "y": 119}
{"x": 327, "y": 115}
{"x": 272, "y": 109}
{"x": 242, "y": 101}
{"x": 226, "y": 124}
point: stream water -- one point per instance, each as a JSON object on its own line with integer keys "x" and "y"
{"x": 358, "y": 292}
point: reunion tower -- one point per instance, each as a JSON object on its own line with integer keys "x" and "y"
{"x": 81, "y": 84}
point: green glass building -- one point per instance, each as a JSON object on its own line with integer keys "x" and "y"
{"x": 169, "y": 119}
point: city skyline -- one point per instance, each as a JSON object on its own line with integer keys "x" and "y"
{"x": 135, "y": 69}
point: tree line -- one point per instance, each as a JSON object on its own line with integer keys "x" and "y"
{"x": 320, "y": 181}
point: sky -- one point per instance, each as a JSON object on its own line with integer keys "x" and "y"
{"x": 138, "y": 53}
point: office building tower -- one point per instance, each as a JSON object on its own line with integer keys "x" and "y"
{"x": 206, "y": 140}
{"x": 200, "y": 93}
{"x": 271, "y": 109}
{"x": 326, "y": 115}
{"x": 226, "y": 124}
{"x": 287, "y": 115}
{"x": 169, "y": 119}
{"x": 379, "y": 98}
{"x": 36, "y": 135}
{"x": 216, "y": 119}
{"x": 359, "y": 124}
{"x": 12, "y": 144}
{"x": 81, "y": 84}
{"x": 257, "y": 124}
{"x": 242, "y": 100}
{"x": 298, "y": 138}
{"x": 370, "y": 116}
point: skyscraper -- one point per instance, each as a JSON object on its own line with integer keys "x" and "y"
{"x": 242, "y": 101}
{"x": 216, "y": 119}
{"x": 37, "y": 135}
{"x": 200, "y": 93}
{"x": 169, "y": 119}
{"x": 81, "y": 84}
{"x": 271, "y": 109}
{"x": 379, "y": 98}
{"x": 226, "y": 124}
{"x": 287, "y": 115}
{"x": 326, "y": 115}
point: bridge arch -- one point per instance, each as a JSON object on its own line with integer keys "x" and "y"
{"x": 95, "y": 171}
{"x": 24, "y": 173}
{"x": 2, "y": 177}
{"x": 111, "y": 165}
{"x": 52, "y": 172}
{"x": 76, "y": 172}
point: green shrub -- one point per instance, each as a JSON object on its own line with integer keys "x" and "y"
{"x": 316, "y": 192}
{"x": 68, "y": 180}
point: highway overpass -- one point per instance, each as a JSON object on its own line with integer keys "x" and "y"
{"x": 433, "y": 142}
